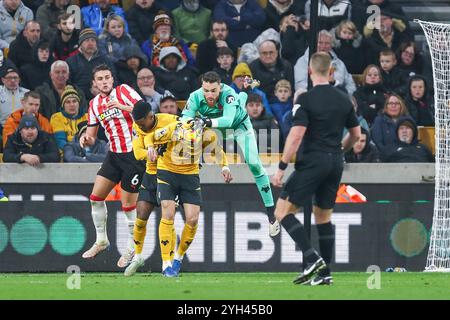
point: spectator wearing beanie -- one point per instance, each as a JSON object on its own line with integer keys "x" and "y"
{"x": 163, "y": 37}
{"x": 65, "y": 123}
{"x": 30, "y": 145}
{"x": 10, "y": 93}
{"x": 82, "y": 64}
{"x": 239, "y": 74}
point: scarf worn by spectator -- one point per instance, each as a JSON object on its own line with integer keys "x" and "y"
{"x": 158, "y": 44}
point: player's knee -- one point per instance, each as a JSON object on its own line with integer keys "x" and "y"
{"x": 192, "y": 221}
{"x": 96, "y": 201}
{"x": 256, "y": 169}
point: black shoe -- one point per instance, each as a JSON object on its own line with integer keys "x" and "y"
{"x": 321, "y": 281}
{"x": 310, "y": 271}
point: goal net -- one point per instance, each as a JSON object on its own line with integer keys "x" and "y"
{"x": 438, "y": 39}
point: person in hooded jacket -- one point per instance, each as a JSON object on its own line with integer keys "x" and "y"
{"x": 349, "y": 46}
{"x": 191, "y": 21}
{"x": 174, "y": 75}
{"x": 363, "y": 151}
{"x": 128, "y": 67}
{"x": 407, "y": 147}
{"x": 37, "y": 72}
{"x": 262, "y": 122}
{"x": 372, "y": 94}
{"x": 418, "y": 101}
{"x": 114, "y": 39}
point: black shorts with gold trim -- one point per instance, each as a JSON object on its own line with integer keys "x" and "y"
{"x": 148, "y": 189}
{"x": 185, "y": 186}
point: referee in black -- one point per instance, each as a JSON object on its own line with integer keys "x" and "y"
{"x": 319, "y": 117}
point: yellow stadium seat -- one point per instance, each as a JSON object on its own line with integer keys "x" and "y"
{"x": 234, "y": 158}
{"x": 181, "y": 104}
{"x": 426, "y": 136}
{"x": 270, "y": 158}
{"x": 1, "y": 157}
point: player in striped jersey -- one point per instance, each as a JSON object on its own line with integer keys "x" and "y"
{"x": 111, "y": 109}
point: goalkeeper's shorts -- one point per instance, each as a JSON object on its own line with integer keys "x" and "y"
{"x": 185, "y": 186}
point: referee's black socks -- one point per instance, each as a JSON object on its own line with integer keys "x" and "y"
{"x": 326, "y": 242}
{"x": 298, "y": 234}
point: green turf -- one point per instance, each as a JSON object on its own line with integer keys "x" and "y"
{"x": 221, "y": 286}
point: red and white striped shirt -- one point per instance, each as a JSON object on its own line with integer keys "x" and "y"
{"x": 117, "y": 123}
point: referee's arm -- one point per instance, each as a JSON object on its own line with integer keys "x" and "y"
{"x": 293, "y": 141}
{"x": 351, "y": 138}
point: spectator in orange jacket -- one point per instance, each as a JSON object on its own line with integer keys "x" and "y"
{"x": 30, "y": 105}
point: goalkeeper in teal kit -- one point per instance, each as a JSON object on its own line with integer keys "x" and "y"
{"x": 220, "y": 107}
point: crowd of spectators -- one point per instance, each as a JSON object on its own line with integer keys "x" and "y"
{"x": 160, "y": 48}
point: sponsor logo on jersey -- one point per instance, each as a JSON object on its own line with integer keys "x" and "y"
{"x": 109, "y": 113}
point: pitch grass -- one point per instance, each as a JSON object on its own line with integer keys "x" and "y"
{"x": 223, "y": 286}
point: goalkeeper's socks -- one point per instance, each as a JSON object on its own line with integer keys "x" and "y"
{"x": 139, "y": 232}
{"x": 130, "y": 214}
{"x": 99, "y": 215}
{"x": 326, "y": 241}
{"x": 298, "y": 234}
{"x": 270, "y": 213}
{"x": 263, "y": 184}
{"x": 187, "y": 236}
{"x": 165, "y": 238}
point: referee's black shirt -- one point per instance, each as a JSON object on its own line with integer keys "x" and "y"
{"x": 325, "y": 111}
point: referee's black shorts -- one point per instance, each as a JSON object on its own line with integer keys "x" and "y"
{"x": 185, "y": 186}
{"x": 123, "y": 168}
{"x": 148, "y": 189}
{"x": 317, "y": 174}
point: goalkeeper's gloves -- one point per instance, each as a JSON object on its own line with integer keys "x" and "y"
{"x": 205, "y": 122}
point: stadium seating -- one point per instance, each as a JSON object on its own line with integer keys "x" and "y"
{"x": 1, "y": 157}
{"x": 181, "y": 104}
{"x": 270, "y": 158}
{"x": 426, "y": 135}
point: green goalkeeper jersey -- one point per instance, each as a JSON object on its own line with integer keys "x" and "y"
{"x": 228, "y": 112}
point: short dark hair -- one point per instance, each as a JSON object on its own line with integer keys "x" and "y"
{"x": 101, "y": 67}
{"x": 223, "y": 51}
{"x": 64, "y": 16}
{"x": 255, "y": 98}
{"x": 32, "y": 94}
{"x": 218, "y": 22}
{"x": 141, "y": 109}
{"x": 211, "y": 77}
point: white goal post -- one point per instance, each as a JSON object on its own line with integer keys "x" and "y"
{"x": 438, "y": 39}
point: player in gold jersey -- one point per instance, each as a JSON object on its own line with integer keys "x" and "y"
{"x": 144, "y": 123}
{"x": 177, "y": 147}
